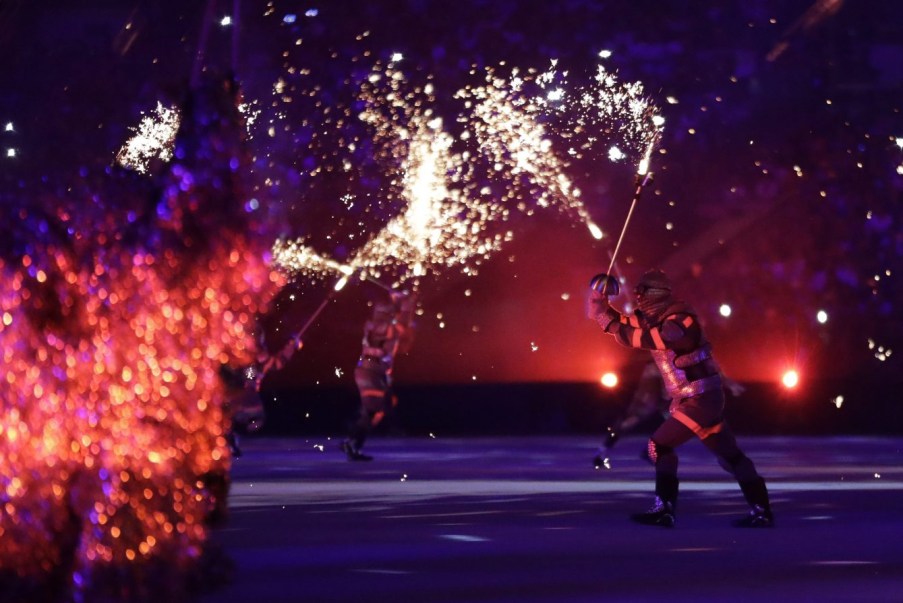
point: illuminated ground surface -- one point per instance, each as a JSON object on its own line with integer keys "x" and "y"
{"x": 528, "y": 519}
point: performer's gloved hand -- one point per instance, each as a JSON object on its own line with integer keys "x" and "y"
{"x": 596, "y": 305}
{"x": 598, "y": 309}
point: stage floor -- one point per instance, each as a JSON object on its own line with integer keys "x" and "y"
{"x": 529, "y": 520}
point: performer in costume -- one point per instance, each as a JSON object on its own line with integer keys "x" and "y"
{"x": 389, "y": 330}
{"x": 242, "y": 386}
{"x": 671, "y": 331}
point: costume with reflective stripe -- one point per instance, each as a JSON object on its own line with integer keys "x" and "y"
{"x": 388, "y": 328}
{"x": 693, "y": 381}
{"x": 683, "y": 357}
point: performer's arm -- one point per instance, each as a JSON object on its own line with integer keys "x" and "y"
{"x": 675, "y": 332}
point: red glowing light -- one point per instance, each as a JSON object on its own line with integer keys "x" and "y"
{"x": 790, "y": 379}
{"x": 609, "y": 380}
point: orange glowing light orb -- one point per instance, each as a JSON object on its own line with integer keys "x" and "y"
{"x": 790, "y": 379}
{"x": 609, "y": 380}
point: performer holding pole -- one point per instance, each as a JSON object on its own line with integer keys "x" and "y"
{"x": 671, "y": 331}
{"x": 389, "y": 329}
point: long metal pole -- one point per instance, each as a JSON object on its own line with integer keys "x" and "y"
{"x": 641, "y": 184}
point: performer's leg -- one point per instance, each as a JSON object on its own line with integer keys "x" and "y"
{"x": 724, "y": 445}
{"x": 662, "y": 445}
{"x": 370, "y": 414}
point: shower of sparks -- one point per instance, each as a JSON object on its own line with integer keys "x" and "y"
{"x": 506, "y": 123}
{"x": 455, "y": 192}
{"x": 156, "y": 132}
{"x": 454, "y": 202}
{"x": 604, "y": 111}
{"x": 153, "y": 139}
{"x": 298, "y": 257}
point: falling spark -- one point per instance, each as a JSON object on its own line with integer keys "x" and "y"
{"x": 881, "y": 352}
{"x": 616, "y": 154}
{"x": 594, "y": 230}
{"x": 837, "y": 401}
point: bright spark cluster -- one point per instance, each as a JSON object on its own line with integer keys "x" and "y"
{"x": 454, "y": 201}
{"x": 153, "y": 139}
{"x": 605, "y": 110}
{"x": 116, "y": 415}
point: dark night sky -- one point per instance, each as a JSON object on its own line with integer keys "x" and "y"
{"x": 777, "y": 184}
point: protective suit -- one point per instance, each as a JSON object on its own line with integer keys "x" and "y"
{"x": 670, "y": 330}
{"x": 388, "y": 331}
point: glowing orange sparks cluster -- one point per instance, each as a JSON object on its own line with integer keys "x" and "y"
{"x": 113, "y": 416}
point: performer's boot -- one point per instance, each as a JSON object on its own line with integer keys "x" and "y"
{"x": 662, "y": 512}
{"x": 612, "y": 435}
{"x": 358, "y": 435}
{"x": 354, "y": 453}
{"x": 756, "y": 495}
{"x": 353, "y": 444}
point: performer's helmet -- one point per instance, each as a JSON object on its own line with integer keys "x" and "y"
{"x": 653, "y": 279}
{"x": 383, "y": 309}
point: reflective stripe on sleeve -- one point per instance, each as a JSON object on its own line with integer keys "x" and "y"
{"x": 635, "y": 340}
{"x": 656, "y": 335}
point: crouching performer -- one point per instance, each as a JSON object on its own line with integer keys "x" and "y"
{"x": 671, "y": 331}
